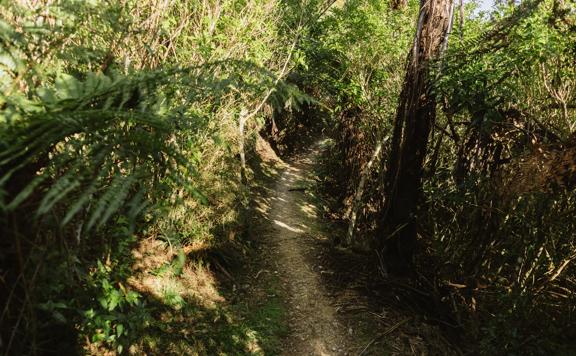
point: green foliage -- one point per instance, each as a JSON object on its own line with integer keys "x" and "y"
{"x": 106, "y": 136}
{"x": 119, "y": 314}
{"x": 120, "y": 119}
{"x": 497, "y": 211}
{"x": 356, "y": 61}
{"x": 355, "y": 58}
{"x": 524, "y": 65}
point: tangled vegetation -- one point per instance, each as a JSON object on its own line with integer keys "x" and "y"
{"x": 120, "y": 124}
{"x": 495, "y": 213}
{"x": 127, "y": 141}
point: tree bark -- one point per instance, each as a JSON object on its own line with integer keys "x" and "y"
{"x": 415, "y": 116}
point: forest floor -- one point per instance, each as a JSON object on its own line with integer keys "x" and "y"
{"x": 329, "y": 307}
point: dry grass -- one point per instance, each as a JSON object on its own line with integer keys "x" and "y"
{"x": 544, "y": 170}
{"x": 195, "y": 282}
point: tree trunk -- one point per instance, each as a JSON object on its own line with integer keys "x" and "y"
{"x": 415, "y": 116}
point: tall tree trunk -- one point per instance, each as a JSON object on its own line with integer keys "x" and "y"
{"x": 415, "y": 116}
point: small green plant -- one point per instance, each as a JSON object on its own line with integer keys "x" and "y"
{"x": 116, "y": 314}
{"x": 173, "y": 299}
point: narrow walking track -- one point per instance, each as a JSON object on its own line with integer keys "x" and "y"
{"x": 291, "y": 232}
{"x": 332, "y": 307}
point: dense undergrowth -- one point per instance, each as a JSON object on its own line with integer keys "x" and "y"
{"x": 124, "y": 133}
{"x": 127, "y": 129}
{"x": 496, "y": 217}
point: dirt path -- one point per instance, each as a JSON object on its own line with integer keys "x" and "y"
{"x": 291, "y": 230}
{"x": 336, "y": 301}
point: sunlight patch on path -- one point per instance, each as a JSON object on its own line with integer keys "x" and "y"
{"x": 288, "y": 227}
